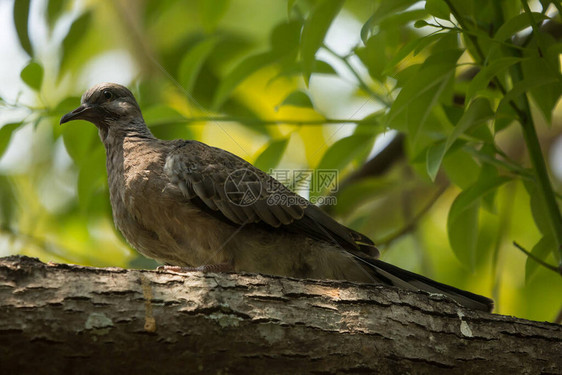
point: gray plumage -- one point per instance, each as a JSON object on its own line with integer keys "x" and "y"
{"x": 188, "y": 204}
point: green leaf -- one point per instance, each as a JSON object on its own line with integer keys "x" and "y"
{"x": 485, "y": 75}
{"x": 414, "y": 45}
{"x": 477, "y": 112}
{"x": 314, "y": 32}
{"x": 271, "y": 156}
{"x": 159, "y": 114}
{"x": 541, "y": 68}
{"x": 516, "y": 24}
{"x": 418, "y": 96}
{"x": 391, "y": 8}
{"x": 285, "y": 37}
{"x": 541, "y": 250}
{"x": 438, "y": 9}
{"x": 75, "y": 35}
{"x": 337, "y": 157}
{"x": 460, "y": 167}
{"x": 366, "y": 29}
{"x": 434, "y": 157}
{"x": 290, "y": 5}
{"x": 399, "y": 20}
{"x": 320, "y": 67}
{"x": 79, "y": 138}
{"x": 21, "y": 19}
{"x": 192, "y": 61}
{"x": 32, "y": 75}
{"x": 91, "y": 177}
{"x": 6, "y": 134}
{"x": 373, "y": 55}
{"x": 8, "y": 201}
{"x": 342, "y": 152}
{"x": 211, "y": 11}
{"x": 297, "y": 98}
{"x": 539, "y": 210}
{"x": 462, "y": 221}
{"x": 420, "y": 23}
{"x": 524, "y": 86}
{"x": 66, "y": 105}
{"x": 242, "y": 71}
{"x": 54, "y": 10}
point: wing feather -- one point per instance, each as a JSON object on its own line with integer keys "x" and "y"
{"x": 243, "y": 194}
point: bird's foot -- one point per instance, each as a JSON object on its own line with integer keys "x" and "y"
{"x": 221, "y": 267}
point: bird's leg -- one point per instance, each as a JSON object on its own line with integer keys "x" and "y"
{"x": 221, "y": 267}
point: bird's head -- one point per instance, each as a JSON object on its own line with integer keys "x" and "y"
{"x": 105, "y": 105}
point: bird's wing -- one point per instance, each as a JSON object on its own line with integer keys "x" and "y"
{"x": 243, "y": 194}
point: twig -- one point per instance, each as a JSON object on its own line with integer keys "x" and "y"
{"x": 536, "y": 259}
{"x": 412, "y": 224}
{"x": 258, "y": 121}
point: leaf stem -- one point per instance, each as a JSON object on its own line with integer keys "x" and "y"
{"x": 360, "y": 80}
{"x": 538, "y": 260}
{"x": 522, "y": 108}
{"x": 258, "y": 121}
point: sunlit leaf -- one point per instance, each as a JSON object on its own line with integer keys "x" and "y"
{"x": 438, "y": 8}
{"x": 6, "y": 134}
{"x": 32, "y": 75}
{"x": 192, "y": 62}
{"x": 314, "y": 32}
{"x": 21, "y": 19}
{"x": 75, "y": 35}
{"x": 272, "y": 155}
{"x": 297, "y": 99}
{"x": 462, "y": 221}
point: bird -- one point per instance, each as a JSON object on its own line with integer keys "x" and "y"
{"x": 194, "y": 207}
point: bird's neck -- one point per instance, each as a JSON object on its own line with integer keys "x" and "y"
{"x": 115, "y": 134}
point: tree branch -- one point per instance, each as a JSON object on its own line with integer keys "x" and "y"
{"x": 57, "y": 318}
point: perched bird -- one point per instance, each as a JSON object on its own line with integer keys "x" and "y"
{"x": 196, "y": 207}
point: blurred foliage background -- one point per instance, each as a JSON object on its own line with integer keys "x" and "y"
{"x": 442, "y": 118}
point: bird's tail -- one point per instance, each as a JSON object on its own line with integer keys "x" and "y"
{"x": 408, "y": 280}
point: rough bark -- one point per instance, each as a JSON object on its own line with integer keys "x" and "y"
{"x": 57, "y": 318}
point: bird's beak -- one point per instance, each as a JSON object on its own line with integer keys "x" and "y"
{"x": 80, "y": 113}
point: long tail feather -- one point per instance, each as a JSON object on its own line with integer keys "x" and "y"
{"x": 408, "y": 280}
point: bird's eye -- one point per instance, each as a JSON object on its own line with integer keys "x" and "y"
{"x": 107, "y": 94}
